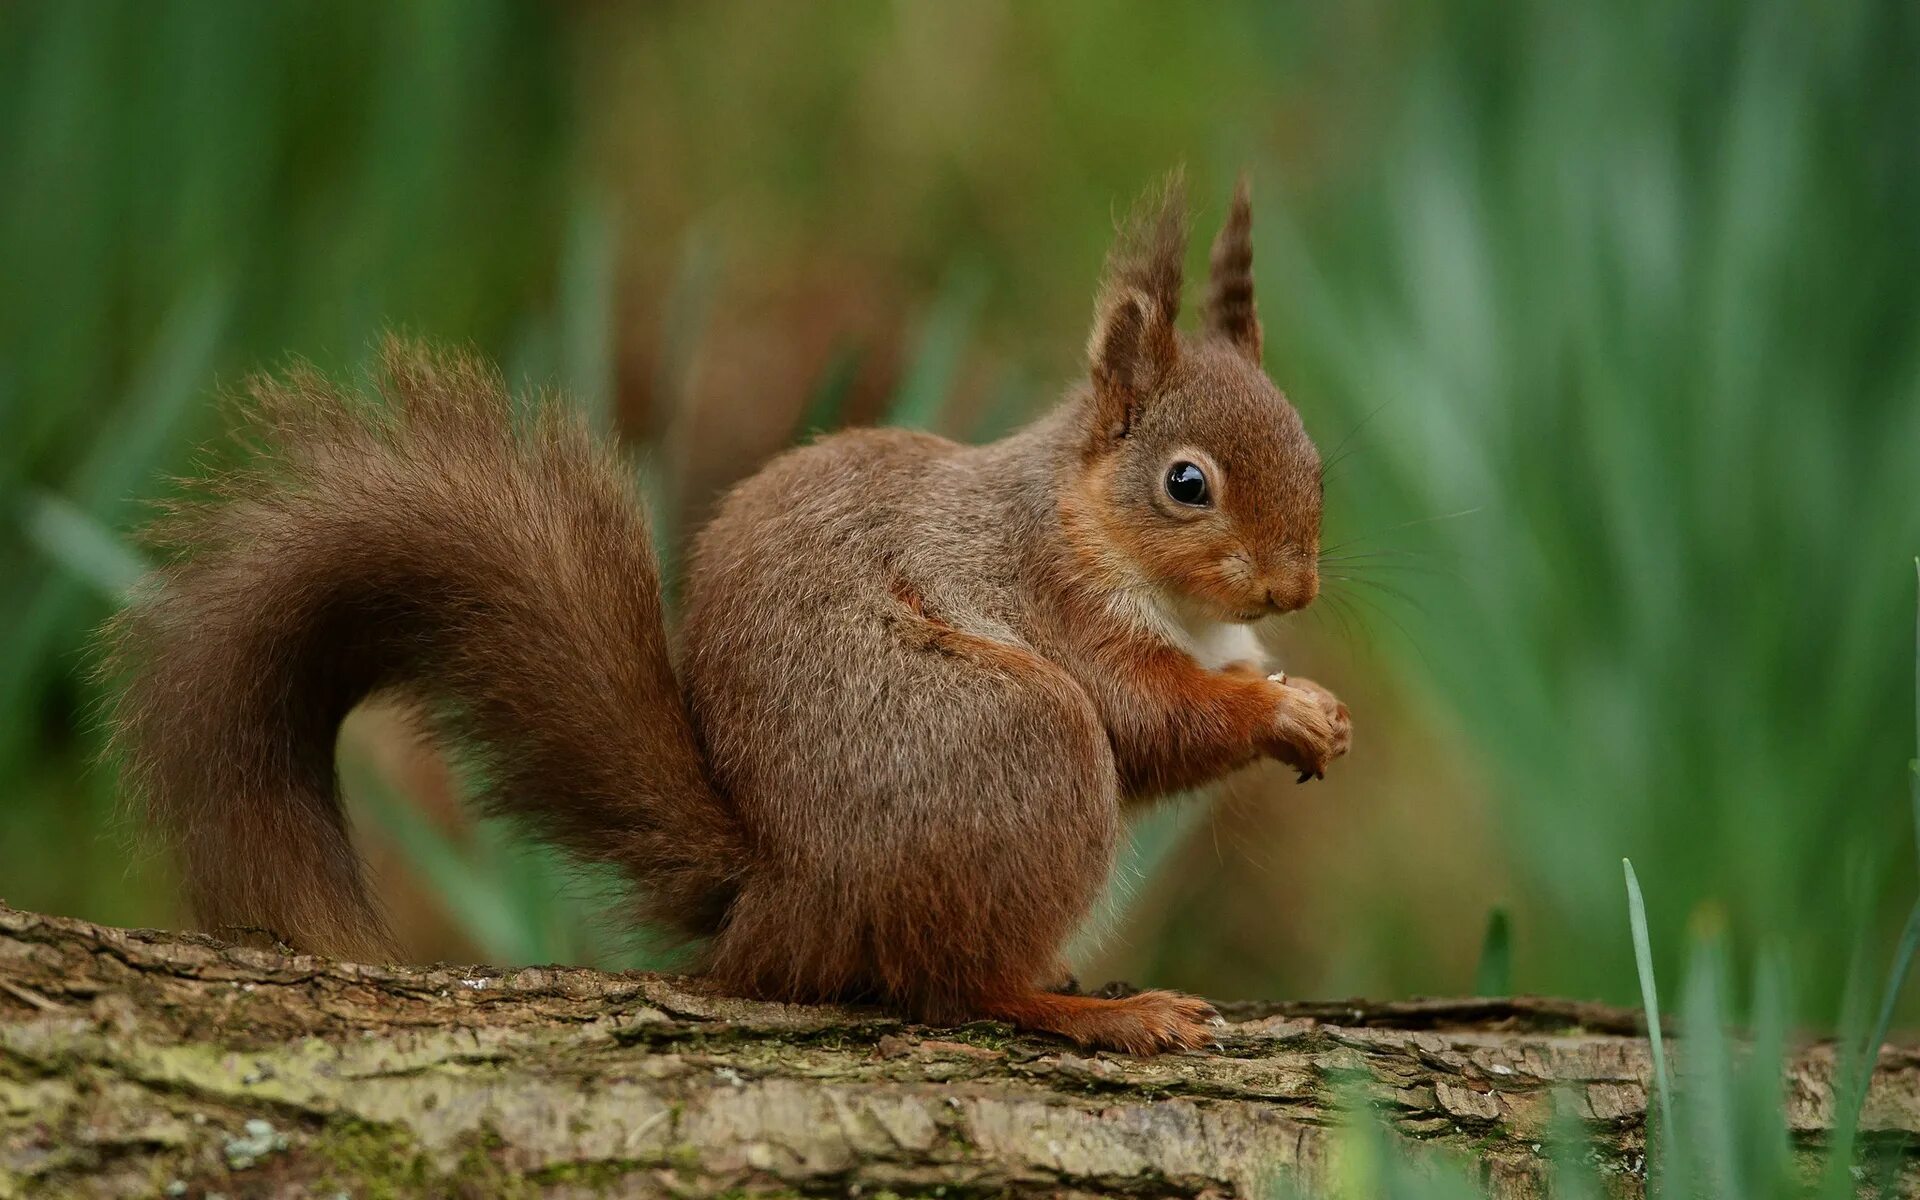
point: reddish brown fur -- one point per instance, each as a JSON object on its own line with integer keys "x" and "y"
{"x": 1143, "y": 1023}
{"x": 921, "y": 679}
{"x": 1177, "y": 726}
{"x": 1230, "y": 310}
{"x": 1134, "y": 343}
{"x": 502, "y": 579}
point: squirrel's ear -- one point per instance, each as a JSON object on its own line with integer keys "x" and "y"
{"x": 1133, "y": 344}
{"x": 1230, "y": 311}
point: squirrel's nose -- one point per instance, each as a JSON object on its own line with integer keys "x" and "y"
{"x": 1294, "y": 593}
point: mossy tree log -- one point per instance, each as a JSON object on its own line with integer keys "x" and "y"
{"x": 144, "y": 1063}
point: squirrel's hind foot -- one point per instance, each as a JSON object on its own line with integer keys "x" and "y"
{"x": 1143, "y": 1023}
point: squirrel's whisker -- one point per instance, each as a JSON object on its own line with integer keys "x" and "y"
{"x": 1383, "y": 588}
{"x": 1346, "y": 445}
{"x": 1366, "y": 537}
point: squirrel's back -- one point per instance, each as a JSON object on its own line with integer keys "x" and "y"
{"x": 837, "y": 522}
{"x": 928, "y": 798}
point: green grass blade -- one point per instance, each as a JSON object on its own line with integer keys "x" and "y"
{"x": 827, "y": 402}
{"x": 51, "y": 612}
{"x": 1869, "y": 1054}
{"x": 1495, "y": 974}
{"x": 939, "y": 350}
{"x": 686, "y": 314}
{"x": 1650, "y": 1002}
{"x": 168, "y": 388}
{"x": 586, "y": 318}
{"x": 1569, "y": 1150}
{"x": 1853, "y": 1023}
{"x": 1012, "y": 400}
{"x": 1152, "y": 840}
{"x": 478, "y": 904}
{"x": 1767, "y": 1146}
{"x": 79, "y": 543}
{"x": 1714, "y": 1138}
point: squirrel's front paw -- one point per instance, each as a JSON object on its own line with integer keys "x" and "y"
{"x": 1311, "y": 727}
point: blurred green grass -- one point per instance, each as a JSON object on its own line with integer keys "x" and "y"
{"x": 1629, "y": 288}
{"x": 1635, "y": 290}
{"x": 187, "y": 193}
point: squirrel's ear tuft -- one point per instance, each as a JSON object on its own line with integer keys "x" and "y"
{"x": 1132, "y": 347}
{"x": 1230, "y": 311}
{"x": 1133, "y": 344}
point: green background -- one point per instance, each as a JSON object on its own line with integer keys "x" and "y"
{"x": 1611, "y": 310}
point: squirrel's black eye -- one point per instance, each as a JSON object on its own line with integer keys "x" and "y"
{"x": 1187, "y": 484}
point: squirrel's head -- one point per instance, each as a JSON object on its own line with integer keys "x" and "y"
{"x": 1197, "y": 477}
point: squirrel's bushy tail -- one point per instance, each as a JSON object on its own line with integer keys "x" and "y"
{"x": 496, "y": 573}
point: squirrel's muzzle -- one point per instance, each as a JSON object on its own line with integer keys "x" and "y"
{"x": 1293, "y": 591}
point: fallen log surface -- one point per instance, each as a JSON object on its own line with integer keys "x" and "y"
{"x": 135, "y": 1062}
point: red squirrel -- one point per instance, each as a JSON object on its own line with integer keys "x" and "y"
{"x": 918, "y": 684}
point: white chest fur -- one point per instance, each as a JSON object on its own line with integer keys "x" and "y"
{"x": 1212, "y": 643}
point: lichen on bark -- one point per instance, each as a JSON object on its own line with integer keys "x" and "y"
{"x": 143, "y": 1063}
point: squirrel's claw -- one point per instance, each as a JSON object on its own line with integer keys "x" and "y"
{"x": 1312, "y": 727}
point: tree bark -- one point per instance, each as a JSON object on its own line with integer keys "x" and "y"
{"x": 147, "y": 1063}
